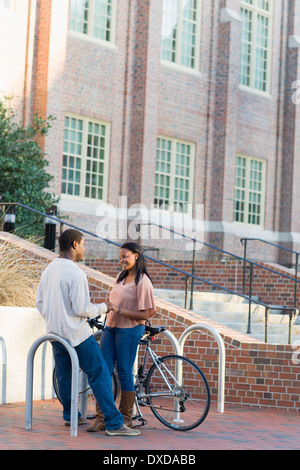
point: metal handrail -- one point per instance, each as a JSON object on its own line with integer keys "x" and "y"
{"x": 4, "y": 370}
{"x": 295, "y": 279}
{"x": 243, "y": 259}
{"x": 292, "y": 311}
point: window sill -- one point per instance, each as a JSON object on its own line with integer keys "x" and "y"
{"x": 180, "y": 68}
{"x": 99, "y": 42}
{"x": 248, "y": 226}
{"x": 252, "y": 91}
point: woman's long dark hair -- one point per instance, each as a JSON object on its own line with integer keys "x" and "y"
{"x": 140, "y": 262}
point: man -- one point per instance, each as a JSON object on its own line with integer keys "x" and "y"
{"x": 63, "y": 300}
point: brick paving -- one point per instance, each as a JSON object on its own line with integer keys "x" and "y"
{"x": 238, "y": 428}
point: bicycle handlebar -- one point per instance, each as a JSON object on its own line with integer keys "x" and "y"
{"x": 94, "y": 322}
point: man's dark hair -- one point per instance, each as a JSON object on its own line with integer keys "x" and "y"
{"x": 67, "y": 238}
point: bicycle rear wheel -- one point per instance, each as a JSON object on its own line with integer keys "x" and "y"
{"x": 91, "y": 401}
{"x": 179, "y": 393}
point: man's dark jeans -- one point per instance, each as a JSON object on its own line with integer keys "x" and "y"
{"x": 91, "y": 361}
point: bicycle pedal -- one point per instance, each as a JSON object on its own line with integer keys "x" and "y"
{"x": 143, "y": 421}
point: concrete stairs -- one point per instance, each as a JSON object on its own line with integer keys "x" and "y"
{"x": 232, "y": 311}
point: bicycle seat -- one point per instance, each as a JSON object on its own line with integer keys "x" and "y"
{"x": 154, "y": 331}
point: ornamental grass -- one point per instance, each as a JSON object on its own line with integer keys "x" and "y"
{"x": 19, "y": 277}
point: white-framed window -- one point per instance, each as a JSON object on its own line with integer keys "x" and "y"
{"x": 174, "y": 174}
{"x": 94, "y": 18}
{"x": 249, "y": 195}
{"x": 85, "y": 158}
{"x": 256, "y": 44}
{"x": 181, "y": 32}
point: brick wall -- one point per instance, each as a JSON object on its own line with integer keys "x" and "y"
{"x": 257, "y": 374}
{"x": 271, "y": 288}
{"x": 127, "y": 85}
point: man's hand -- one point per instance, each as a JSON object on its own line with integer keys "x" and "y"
{"x": 109, "y": 305}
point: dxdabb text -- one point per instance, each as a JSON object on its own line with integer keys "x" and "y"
{"x": 151, "y": 459}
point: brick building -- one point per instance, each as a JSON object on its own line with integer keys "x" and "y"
{"x": 176, "y": 104}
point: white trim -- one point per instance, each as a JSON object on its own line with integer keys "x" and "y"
{"x": 229, "y": 15}
{"x": 92, "y": 40}
{"x": 85, "y": 121}
{"x": 241, "y": 230}
{"x": 254, "y": 91}
{"x": 77, "y": 205}
{"x": 80, "y": 206}
{"x": 294, "y": 41}
{"x": 180, "y": 68}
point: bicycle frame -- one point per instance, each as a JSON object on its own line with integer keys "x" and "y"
{"x": 141, "y": 397}
{"x": 158, "y": 364}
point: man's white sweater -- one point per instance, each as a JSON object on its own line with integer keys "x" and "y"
{"x": 63, "y": 299}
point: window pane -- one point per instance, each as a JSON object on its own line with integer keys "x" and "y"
{"x": 173, "y": 174}
{"x": 162, "y": 176}
{"x": 94, "y": 180}
{"x": 261, "y": 64}
{"x": 79, "y": 15}
{"x": 246, "y": 47}
{"x": 256, "y": 43}
{"x": 248, "y": 196}
{"x": 182, "y": 172}
{"x": 169, "y": 29}
{"x": 188, "y": 33}
{"x": 92, "y": 17}
{"x": 84, "y": 158}
{"x": 71, "y": 162}
{"x": 180, "y": 21}
{"x": 103, "y": 19}
{"x": 240, "y": 180}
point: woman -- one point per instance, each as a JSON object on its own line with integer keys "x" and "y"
{"x": 133, "y": 303}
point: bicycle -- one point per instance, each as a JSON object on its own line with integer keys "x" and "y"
{"x": 175, "y": 388}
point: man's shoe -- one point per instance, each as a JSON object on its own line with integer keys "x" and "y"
{"x": 123, "y": 431}
{"x": 81, "y": 420}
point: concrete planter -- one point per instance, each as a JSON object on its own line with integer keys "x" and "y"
{"x": 19, "y": 328}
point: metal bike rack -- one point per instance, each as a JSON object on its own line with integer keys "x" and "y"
{"x": 221, "y": 381}
{"x": 173, "y": 340}
{"x": 4, "y": 365}
{"x": 75, "y": 378}
{"x": 179, "y": 346}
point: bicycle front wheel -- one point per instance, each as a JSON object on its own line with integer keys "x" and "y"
{"x": 179, "y": 394}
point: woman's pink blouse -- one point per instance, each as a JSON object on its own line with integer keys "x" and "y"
{"x": 131, "y": 297}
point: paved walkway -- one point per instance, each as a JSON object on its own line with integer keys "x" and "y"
{"x": 238, "y": 428}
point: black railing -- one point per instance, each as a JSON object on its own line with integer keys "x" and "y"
{"x": 244, "y": 260}
{"x": 293, "y": 311}
{"x": 296, "y": 253}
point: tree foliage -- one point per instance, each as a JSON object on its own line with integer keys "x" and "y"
{"x": 24, "y": 178}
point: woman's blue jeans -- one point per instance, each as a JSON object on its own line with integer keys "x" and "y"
{"x": 91, "y": 361}
{"x": 119, "y": 346}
